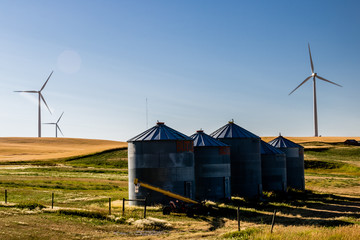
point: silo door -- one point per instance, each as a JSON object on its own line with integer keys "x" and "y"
{"x": 226, "y": 187}
{"x": 188, "y": 189}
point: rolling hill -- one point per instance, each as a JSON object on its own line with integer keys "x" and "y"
{"x": 13, "y": 149}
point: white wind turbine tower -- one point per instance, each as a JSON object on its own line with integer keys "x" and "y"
{"x": 40, "y": 98}
{"x": 57, "y": 125}
{"x": 314, "y": 75}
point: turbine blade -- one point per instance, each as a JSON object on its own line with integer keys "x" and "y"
{"x": 312, "y": 65}
{"x": 59, "y": 129}
{"x": 328, "y": 81}
{"x": 59, "y": 118}
{"x": 45, "y": 102}
{"x": 28, "y": 91}
{"x": 300, "y": 84}
{"x": 49, "y": 123}
{"x": 46, "y": 81}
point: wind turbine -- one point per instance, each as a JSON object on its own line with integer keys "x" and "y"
{"x": 56, "y": 125}
{"x": 314, "y": 75}
{"x": 40, "y": 98}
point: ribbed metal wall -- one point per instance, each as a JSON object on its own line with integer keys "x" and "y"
{"x": 168, "y": 164}
{"x": 273, "y": 168}
{"x": 246, "y": 179}
{"x": 212, "y": 168}
{"x": 294, "y": 161}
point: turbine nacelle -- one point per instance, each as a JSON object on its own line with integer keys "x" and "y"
{"x": 57, "y": 125}
{"x": 41, "y": 98}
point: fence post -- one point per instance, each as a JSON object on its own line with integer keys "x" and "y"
{"x": 52, "y": 200}
{"x": 123, "y": 210}
{"x": 5, "y": 196}
{"x": 273, "y": 221}
{"x": 109, "y": 206}
{"x": 238, "y": 217}
{"x": 145, "y": 208}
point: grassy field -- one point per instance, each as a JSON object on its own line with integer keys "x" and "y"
{"x": 82, "y": 184}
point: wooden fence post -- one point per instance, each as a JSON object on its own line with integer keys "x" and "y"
{"x": 145, "y": 208}
{"x": 52, "y": 200}
{"x": 123, "y": 210}
{"x": 238, "y": 217}
{"x": 273, "y": 221}
{"x": 109, "y": 206}
{"x": 5, "y": 196}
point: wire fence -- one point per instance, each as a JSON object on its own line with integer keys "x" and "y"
{"x": 144, "y": 201}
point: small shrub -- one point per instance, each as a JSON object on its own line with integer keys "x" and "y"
{"x": 115, "y": 219}
{"x": 82, "y": 213}
{"x": 30, "y": 205}
{"x": 151, "y": 224}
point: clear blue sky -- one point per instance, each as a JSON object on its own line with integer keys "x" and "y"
{"x": 200, "y": 64}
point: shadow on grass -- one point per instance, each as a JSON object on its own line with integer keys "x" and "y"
{"x": 297, "y": 208}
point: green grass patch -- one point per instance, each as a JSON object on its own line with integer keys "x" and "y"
{"x": 32, "y": 162}
{"x": 333, "y": 182}
{"x": 83, "y": 213}
{"x": 337, "y": 159}
{"x": 60, "y": 184}
{"x": 331, "y": 167}
{"x": 243, "y": 234}
{"x": 108, "y": 159}
{"x": 339, "y": 153}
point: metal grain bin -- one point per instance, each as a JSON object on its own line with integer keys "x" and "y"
{"x": 162, "y": 157}
{"x": 212, "y": 167}
{"x": 294, "y": 161}
{"x": 273, "y": 168}
{"x": 245, "y": 159}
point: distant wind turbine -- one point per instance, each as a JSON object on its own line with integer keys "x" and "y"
{"x": 314, "y": 76}
{"x": 57, "y": 126}
{"x": 40, "y": 98}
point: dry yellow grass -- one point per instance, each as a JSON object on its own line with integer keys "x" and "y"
{"x": 313, "y": 139}
{"x": 29, "y": 149}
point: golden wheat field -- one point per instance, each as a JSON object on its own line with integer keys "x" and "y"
{"x": 313, "y": 139}
{"x": 28, "y": 149}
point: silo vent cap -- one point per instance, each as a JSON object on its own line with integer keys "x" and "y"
{"x": 160, "y": 123}
{"x": 231, "y": 121}
{"x": 200, "y": 131}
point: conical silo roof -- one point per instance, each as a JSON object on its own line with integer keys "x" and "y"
{"x": 231, "y": 130}
{"x": 268, "y": 149}
{"x": 160, "y": 132}
{"x": 201, "y": 139}
{"x": 281, "y": 142}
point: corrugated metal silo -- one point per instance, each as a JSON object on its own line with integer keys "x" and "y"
{"x": 162, "y": 157}
{"x": 273, "y": 168}
{"x": 245, "y": 159}
{"x": 212, "y": 167}
{"x": 294, "y": 161}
